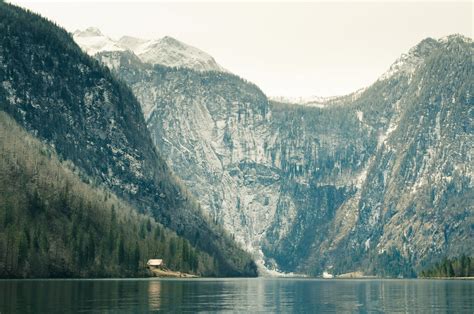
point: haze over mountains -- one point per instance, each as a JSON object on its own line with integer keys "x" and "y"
{"x": 379, "y": 180}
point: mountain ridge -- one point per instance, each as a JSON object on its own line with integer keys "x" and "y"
{"x": 166, "y": 51}
{"x": 397, "y": 67}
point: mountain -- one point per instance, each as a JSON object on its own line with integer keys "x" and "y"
{"x": 378, "y": 181}
{"x": 69, "y": 101}
{"x": 412, "y": 202}
{"x": 165, "y": 51}
{"x": 93, "y": 41}
{"x": 312, "y": 101}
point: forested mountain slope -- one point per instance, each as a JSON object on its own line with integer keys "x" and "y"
{"x": 53, "y": 224}
{"x": 68, "y": 100}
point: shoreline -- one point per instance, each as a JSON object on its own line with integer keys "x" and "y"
{"x": 180, "y": 275}
{"x": 166, "y": 273}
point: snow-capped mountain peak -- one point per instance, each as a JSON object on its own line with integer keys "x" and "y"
{"x": 131, "y": 43}
{"x": 93, "y": 41}
{"x": 310, "y": 101}
{"x": 166, "y": 51}
{"x": 317, "y": 101}
{"x": 90, "y": 31}
{"x": 454, "y": 38}
{"x": 174, "y": 53}
{"x": 408, "y": 62}
{"x": 172, "y": 41}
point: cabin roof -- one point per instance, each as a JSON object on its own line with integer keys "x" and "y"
{"x": 155, "y": 262}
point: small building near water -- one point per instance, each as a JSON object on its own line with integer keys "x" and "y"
{"x": 155, "y": 263}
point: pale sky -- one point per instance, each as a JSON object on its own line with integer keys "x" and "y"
{"x": 287, "y": 49}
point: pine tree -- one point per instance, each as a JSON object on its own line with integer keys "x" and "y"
{"x": 121, "y": 252}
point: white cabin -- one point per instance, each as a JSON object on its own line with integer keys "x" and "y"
{"x": 155, "y": 263}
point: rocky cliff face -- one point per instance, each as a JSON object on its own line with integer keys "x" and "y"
{"x": 380, "y": 180}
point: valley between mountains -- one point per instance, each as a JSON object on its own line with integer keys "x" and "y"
{"x": 211, "y": 173}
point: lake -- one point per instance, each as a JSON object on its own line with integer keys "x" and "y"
{"x": 236, "y": 295}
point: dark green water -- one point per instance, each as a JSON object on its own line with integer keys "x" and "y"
{"x": 236, "y": 295}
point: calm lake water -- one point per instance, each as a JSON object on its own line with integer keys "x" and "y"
{"x": 236, "y": 295}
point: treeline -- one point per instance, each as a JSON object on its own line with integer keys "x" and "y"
{"x": 52, "y": 224}
{"x": 457, "y": 267}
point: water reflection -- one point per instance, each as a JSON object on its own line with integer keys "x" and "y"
{"x": 255, "y": 295}
{"x": 154, "y": 295}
